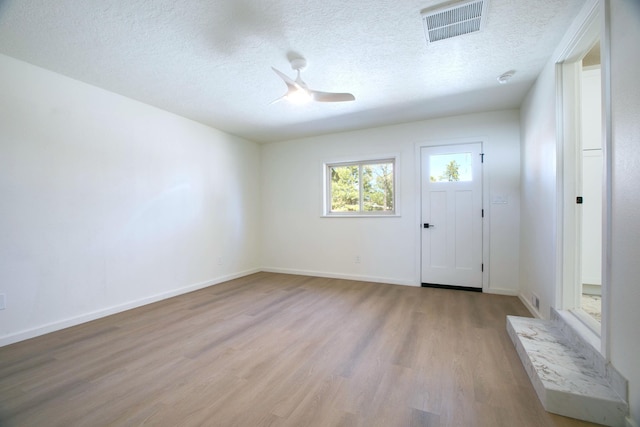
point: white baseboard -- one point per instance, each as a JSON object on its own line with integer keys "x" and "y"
{"x": 530, "y": 307}
{"x": 87, "y": 317}
{"x": 330, "y": 275}
{"x": 375, "y": 279}
{"x": 508, "y": 292}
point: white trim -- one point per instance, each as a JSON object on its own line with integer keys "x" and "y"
{"x": 483, "y": 140}
{"x": 498, "y": 291}
{"x": 607, "y": 176}
{"x": 560, "y": 296}
{"x": 87, "y": 317}
{"x": 332, "y": 275}
{"x": 568, "y": 171}
{"x": 571, "y": 49}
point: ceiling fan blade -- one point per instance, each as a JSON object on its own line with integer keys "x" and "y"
{"x": 298, "y": 92}
{"x": 288, "y": 80}
{"x": 282, "y": 98}
{"x": 331, "y": 97}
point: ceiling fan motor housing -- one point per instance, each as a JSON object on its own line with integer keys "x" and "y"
{"x": 298, "y": 64}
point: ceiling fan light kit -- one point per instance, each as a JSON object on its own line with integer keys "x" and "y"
{"x": 299, "y": 97}
{"x": 299, "y": 93}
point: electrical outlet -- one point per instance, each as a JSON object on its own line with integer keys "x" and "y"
{"x": 3, "y": 301}
{"x": 535, "y": 301}
{"x": 357, "y": 259}
{"x": 220, "y": 260}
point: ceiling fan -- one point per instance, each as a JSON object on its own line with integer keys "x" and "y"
{"x": 298, "y": 92}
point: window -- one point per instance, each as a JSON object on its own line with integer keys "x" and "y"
{"x": 450, "y": 167}
{"x": 360, "y": 188}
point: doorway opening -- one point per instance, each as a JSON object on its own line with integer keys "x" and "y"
{"x": 584, "y": 177}
{"x": 590, "y": 183}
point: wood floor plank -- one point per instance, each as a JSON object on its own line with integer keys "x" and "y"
{"x": 281, "y": 350}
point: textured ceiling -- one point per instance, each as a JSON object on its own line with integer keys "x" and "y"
{"x": 210, "y": 60}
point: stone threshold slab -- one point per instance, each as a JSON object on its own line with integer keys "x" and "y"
{"x": 567, "y": 380}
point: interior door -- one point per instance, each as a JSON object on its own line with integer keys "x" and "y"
{"x": 451, "y": 181}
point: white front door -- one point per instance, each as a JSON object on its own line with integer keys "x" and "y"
{"x": 451, "y": 177}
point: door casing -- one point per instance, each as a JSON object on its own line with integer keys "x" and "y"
{"x": 594, "y": 24}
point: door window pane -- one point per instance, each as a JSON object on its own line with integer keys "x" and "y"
{"x": 450, "y": 167}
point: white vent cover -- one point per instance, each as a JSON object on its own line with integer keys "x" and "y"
{"x": 453, "y": 19}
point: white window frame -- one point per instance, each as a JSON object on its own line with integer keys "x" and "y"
{"x": 361, "y": 213}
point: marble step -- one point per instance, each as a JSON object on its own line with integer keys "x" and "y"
{"x": 568, "y": 382}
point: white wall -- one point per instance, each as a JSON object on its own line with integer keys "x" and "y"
{"x": 297, "y": 239}
{"x": 107, "y": 203}
{"x": 624, "y": 339}
{"x": 538, "y": 192}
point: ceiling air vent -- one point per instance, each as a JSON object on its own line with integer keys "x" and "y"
{"x": 453, "y": 19}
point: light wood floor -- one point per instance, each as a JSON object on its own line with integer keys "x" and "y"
{"x": 280, "y": 350}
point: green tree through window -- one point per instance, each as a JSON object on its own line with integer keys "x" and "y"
{"x": 450, "y": 167}
{"x": 363, "y": 187}
{"x": 452, "y": 173}
{"x": 377, "y": 187}
{"x": 345, "y": 189}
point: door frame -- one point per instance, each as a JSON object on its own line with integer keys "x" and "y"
{"x": 485, "y": 203}
{"x": 594, "y": 24}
